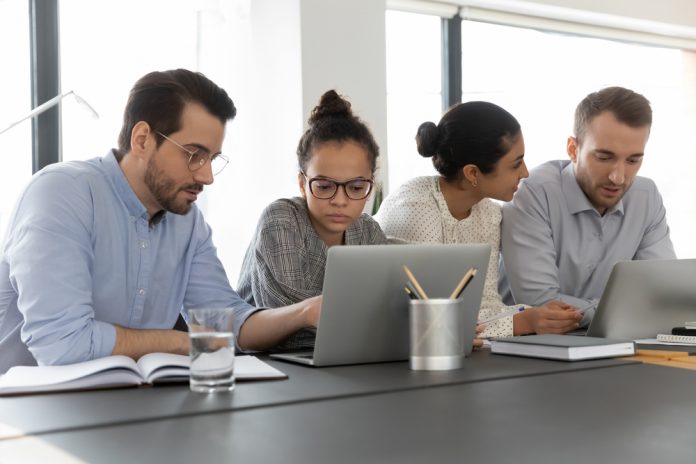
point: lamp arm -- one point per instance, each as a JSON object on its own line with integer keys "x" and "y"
{"x": 48, "y": 104}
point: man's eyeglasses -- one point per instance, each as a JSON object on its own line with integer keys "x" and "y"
{"x": 325, "y": 189}
{"x": 199, "y": 157}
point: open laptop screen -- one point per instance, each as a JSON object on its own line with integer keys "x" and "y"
{"x": 364, "y": 315}
{"x": 644, "y": 298}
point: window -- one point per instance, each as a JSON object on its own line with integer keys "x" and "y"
{"x": 540, "y": 77}
{"x": 16, "y": 156}
{"x": 162, "y": 35}
{"x": 414, "y": 95}
{"x": 211, "y": 37}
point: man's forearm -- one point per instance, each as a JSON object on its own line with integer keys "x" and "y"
{"x": 138, "y": 342}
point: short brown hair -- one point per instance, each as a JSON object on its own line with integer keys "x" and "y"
{"x": 629, "y": 107}
{"x": 159, "y": 97}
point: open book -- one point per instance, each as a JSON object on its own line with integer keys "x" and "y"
{"x": 120, "y": 371}
{"x": 563, "y": 347}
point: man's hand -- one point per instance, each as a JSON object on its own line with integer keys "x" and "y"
{"x": 554, "y": 317}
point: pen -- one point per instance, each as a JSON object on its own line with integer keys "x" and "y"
{"x": 509, "y": 312}
{"x": 415, "y": 283}
{"x": 463, "y": 283}
{"x": 410, "y": 293}
{"x": 513, "y": 311}
{"x": 592, "y": 304}
{"x": 414, "y": 292}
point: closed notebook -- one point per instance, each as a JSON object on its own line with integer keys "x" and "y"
{"x": 120, "y": 371}
{"x": 563, "y": 347}
{"x": 677, "y": 339}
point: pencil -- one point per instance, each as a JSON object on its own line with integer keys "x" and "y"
{"x": 415, "y": 283}
{"x": 466, "y": 284}
{"x": 463, "y": 283}
{"x": 591, "y": 305}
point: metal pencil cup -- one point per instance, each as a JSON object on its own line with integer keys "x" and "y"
{"x": 436, "y": 334}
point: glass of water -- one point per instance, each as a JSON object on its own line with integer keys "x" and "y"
{"x": 212, "y": 350}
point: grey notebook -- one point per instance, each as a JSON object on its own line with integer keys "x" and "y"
{"x": 364, "y": 314}
{"x": 563, "y": 347}
{"x": 645, "y": 298}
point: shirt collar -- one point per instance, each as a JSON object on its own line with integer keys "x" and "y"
{"x": 575, "y": 198}
{"x": 123, "y": 189}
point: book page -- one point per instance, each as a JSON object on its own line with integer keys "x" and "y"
{"x": 114, "y": 370}
{"x": 156, "y": 366}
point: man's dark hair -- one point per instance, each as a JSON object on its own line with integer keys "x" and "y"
{"x": 158, "y": 98}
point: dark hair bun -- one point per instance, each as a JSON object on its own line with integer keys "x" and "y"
{"x": 428, "y": 139}
{"x": 330, "y": 105}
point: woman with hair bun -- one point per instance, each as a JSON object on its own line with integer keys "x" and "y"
{"x": 478, "y": 151}
{"x": 285, "y": 261}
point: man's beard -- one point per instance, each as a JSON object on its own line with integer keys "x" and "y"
{"x": 165, "y": 191}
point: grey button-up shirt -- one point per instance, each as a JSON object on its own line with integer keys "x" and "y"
{"x": 555, "y": 245}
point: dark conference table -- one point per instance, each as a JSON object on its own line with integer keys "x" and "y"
{"x": 497, "y": 409}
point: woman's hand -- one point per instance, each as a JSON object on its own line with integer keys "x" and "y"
{"x": 478, "y": 341}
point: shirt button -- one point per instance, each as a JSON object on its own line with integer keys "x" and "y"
{"x": 141, "y": 291}
{"x": 143, "y": 244}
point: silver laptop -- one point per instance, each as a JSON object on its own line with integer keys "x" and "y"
{"x": 646, "y": 298}
{"x": 364, "y": 311}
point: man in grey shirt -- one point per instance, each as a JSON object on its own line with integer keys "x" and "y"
{"x": 571, "y": 221}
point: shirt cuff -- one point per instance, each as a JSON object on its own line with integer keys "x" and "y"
{"x": 240, "y": 317}
{"x": 104, "y": 339}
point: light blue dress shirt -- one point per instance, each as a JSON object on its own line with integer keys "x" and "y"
{"x": 80, "y": 256}
{"x": 555, "y": 245}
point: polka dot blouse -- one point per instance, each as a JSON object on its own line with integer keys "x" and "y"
{"x": 417, "y": 212}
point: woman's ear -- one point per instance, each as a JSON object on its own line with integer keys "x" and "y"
{"x": 301, "y": 182}
{"x": 471, "y": 174}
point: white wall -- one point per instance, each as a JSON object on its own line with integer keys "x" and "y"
{"x": 344, "y": 48}
{"x": 284, "y": 55}
{"x": 260, "y": 50}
